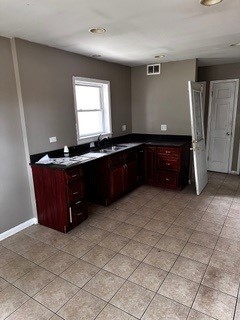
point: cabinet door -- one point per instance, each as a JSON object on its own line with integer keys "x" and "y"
{"x": 116, "y": 181}
{"x": 150, "y": 165}
{"x": 131, "y": 175}
{"x": 140, "y": 165}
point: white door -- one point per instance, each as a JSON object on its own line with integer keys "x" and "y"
{"x": 198, "y": 139}
{"x": 204, "y": 85}
{"x": 221, "y": 119}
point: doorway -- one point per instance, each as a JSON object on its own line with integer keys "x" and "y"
{"x": 221, "y": 124}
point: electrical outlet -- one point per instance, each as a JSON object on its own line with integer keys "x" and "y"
{"x": 52, "y": 139}
{"x": 163, "y": 127}
{"x": 124, "y": 127}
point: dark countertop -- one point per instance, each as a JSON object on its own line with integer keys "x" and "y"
{"x": 133, "y": 140}
{"x": 166, "y": 143}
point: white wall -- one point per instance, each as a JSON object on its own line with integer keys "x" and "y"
{"x": 15, "y": 202}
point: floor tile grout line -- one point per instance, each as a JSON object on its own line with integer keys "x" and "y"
{"x": 204, "y": 276}
{"x": 237, "y": 302}
{"x": 110, "y": 231}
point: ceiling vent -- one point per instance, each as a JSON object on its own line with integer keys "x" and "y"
{"x": 153, "y": 69}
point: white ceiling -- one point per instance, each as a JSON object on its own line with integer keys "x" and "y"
{"x": 136, "y": 30}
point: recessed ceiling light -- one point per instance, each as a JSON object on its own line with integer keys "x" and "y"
{"x": 235, "y": 44}
{"x": 96, "y": 56}
{"x": 210, "y": 2}
{"x": 160, "y": 56}
{"x": 97, "y": 30}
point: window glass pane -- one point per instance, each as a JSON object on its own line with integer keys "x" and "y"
{"x": 87, "y": 98}
{"x": 90, "y": 123}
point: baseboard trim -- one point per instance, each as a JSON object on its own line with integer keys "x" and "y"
{"x": 18, "y": 228}
{"x": 234, "y": 172}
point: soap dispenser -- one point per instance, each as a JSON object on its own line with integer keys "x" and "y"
{"x": 66, "y": 151}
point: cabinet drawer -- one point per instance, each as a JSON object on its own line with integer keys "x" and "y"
{"x": 76, "y": 191}
{"x": 167, "y": 163}
{"x": 78, "y": 212}
{"x": 168, "y": 180}
{"x": 168, "y": 151}
{"x": 74, "y": 174}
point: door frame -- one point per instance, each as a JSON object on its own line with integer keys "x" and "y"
{"x": 233, "y": 122}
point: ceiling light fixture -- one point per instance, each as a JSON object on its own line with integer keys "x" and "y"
{"x": 97, "y": 30}
{"x": 210, "y": 2}
{"x": 160, "y": 56}
{"x": 235, "y": 44}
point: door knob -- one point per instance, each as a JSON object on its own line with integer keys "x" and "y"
{"x": 228, "y": 133}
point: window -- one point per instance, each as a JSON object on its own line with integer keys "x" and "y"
{"x": 92, "y": 108}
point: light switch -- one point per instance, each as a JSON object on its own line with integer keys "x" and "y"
{"x": 163, "y": 127}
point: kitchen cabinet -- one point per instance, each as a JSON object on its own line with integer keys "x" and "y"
{"x": 140, "y": 164}
{"x": 150, "y": 165}
{"x": 60, "y": 196}
{"x": 167, "y": 166}
{"x": 112, "y": 177}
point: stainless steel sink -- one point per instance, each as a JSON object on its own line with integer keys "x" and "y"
{"x": 116, "y": 148}
{"x": 111, "y": 149}
{"x": 104, "y": 151}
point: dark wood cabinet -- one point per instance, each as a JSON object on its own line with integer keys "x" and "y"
{"x": 140, "y": 164}
{"x": 61, "y": 193}
{"x": 112, "y": 177}
{"x": 150, "y": 165}
{"x": 60, "y": 197}
{"x": 130, "y": 171}
{"x": 167, "y": 167}
{"x": 116, "y": 176}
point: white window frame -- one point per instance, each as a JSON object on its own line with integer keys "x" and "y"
{"x": 105, "y": 102}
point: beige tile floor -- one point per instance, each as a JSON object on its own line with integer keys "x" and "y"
{"x": 155, "y": 254}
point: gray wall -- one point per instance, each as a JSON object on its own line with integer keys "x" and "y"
{"x": 15, "y": 204}
{"x": 162, "y": 99}
{"x": 223, "y": 72}
{"x": 46, "y": 80}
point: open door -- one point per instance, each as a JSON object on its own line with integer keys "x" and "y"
{"x": 198, "y": 139}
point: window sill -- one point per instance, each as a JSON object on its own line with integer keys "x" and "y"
{"x": 93, "y": 138}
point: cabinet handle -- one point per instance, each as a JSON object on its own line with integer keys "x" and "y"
{"x": 167, "y": 179}
{"x": 78, "y": 202}
{"x": 74, "y": 176}
{"x": 141, "y": 151}
{"x": 79, "y": 214}
{"x": 168, "y": 164}
{"x": 167, "y": 151}
{"x": 70, "y": 215}
{"x": 75, "y": 192}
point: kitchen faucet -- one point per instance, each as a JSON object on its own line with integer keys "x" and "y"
{"x": 99, "y": 140}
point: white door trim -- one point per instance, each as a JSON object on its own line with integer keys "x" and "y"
{"x": 233, "y": 122}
